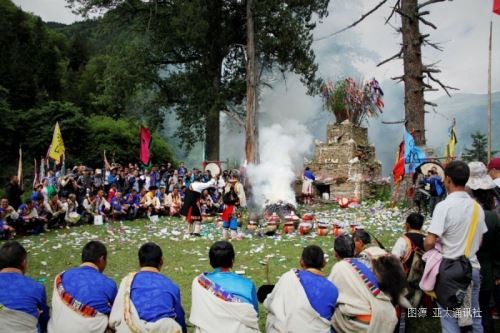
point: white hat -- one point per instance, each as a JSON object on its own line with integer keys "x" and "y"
{"x": 98, "y": 171}
{"x": 479, "y": 179}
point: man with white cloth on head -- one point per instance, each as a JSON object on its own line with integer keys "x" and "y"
{"x": 223, "y": 301}
{"x": 147, "y": 301}
{"x": 302, "y": 300}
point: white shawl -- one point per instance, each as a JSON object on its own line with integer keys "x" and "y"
{"x": 355, "y": 299}
{"x": 124, "y": 317}
{"x": 211, "y": 314}
{"x": 289, "y": 309}
{"x": 17, "y": 321}
{"x": 64, "y": 319}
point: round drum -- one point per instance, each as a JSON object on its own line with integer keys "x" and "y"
{"x": 214, "y": 168}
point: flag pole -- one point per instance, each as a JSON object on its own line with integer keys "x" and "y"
{"x": 489, "y": 95}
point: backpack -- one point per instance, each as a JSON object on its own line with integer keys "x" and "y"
{"x": 230, "y": 197}
{"x": 414, "y": 272}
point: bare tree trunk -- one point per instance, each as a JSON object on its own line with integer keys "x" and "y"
{"x": 413, "y": 75}
{"x": 251, "y": 148}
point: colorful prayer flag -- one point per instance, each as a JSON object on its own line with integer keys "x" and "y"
{"x": 450, "y": 147}
{"x": 145, "y": 137}
{"x": 56, "y": 149}
{"x": 414, "y": 156}
{"x": 496, "y": 7}
{"x": 398, "y": 171}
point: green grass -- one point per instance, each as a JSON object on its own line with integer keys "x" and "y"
{"x": 58, "y": 250}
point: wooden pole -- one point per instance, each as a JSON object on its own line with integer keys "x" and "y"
{"x": 489, "y": 96}
{"x": 250, "y": 124}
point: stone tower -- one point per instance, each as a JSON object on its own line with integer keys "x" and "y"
{"x": 345, "y": 166}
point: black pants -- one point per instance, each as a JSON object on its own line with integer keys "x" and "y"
{"x": 485, "y": 306}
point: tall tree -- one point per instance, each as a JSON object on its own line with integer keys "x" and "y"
{"x": 197, "y": 48}
{"x": 412, "y": 14}
{"x": 478, "y": 150}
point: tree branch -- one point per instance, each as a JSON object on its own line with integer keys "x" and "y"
{"x": 422, "y": 5}
{"x": 424, "y": 21}
{"x": 235, "y": 117}
{"x": 430, "y": 103}
{"x": 371, "y": 11}
{"x": 397, "y": 55}
{"x": 445, "y": 88}
{"x": 393, "y": 122}
{"x": 396, "y": 6}
{"x": 398, "y": 78}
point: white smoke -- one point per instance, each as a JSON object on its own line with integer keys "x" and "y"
{"x": 282, "y": 148}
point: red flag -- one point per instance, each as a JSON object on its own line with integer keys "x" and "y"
{"x": 145, "y": 136}
{"x": 496, "y": 7}
{"x": 398, "y": 171}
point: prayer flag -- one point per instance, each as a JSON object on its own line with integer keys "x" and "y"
{"x": 145, "y": 137}
{"x": 56, "y": 149}
{"x": 20, "y": 167}
{"x": 35, "y": 176}
{"x": 496, "y": 7}
{"x": 398, "y": 171}
{"x": 450, "y": 147}
{"x": 414, "y": 156}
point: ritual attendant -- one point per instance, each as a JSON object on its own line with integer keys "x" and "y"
{"x": 71, "y": 207}
{"x": 368, "y": 286}
{"x": 83, "y": 296}
{"x": 302, "y": 300}
{"x": 23, "y": 301}
{"x": 222, "y": 300}
{"x": 191, "y": 207}
{"x": 307, "y": 185}
{"x": 148, "y": 301}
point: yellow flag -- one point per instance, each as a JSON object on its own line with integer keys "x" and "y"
{"x": 56, "y": 149}
{"x": 450, "y": 147}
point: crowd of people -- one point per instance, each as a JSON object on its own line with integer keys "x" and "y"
{"x": 367, "y": 290}
{"x": 84, "y": 196}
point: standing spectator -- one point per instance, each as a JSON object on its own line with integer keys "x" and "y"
{"x": 481, "y": 186}
{"x": 451, "y": 223}
{"x": 494, "y": 172}
{"x": 13, "y": 192}
{"x": 436, "y": 191}
{"x": 181, "y": 171}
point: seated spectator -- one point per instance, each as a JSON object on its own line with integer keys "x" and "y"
{"x": 83, "y": 296}
{"x": 174, "y": 202}
{"x": 239, "y": 309}
{"x": 102, "y": 205}
{"x": 161, "y": 195}
{"x": 147, "y": 300}
{"x": 28, "y": 218}
{"x": 71, "y": 206}
{"x": 118, "y": 210}
{"x": 207, "y": 204}
{"x": 302, "y": 300}
{"x": 150, "y": 202}
{"x": 89, "y": 208}
{"x": 23, "y": 300}
{"x": 343, "y": 247}
{"x": 8, "y": 215}
{"x": 56, "y": 212}
{"x": 132, "y": 203}
{"x": 368, "y": 287}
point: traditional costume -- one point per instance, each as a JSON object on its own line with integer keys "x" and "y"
{"x": 81, "y": 301}
{"x": 147, "y": 302}
{"x": 307, "y": 186}
{"x": 361, "y": 306}
{"x": 191, "y": 207}
{"x": 23, "y": 304}
{"x": 223, "y": 301}
{"x": 301, "y": 301}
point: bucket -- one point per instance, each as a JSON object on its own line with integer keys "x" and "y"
{"x": 98, "y": 220}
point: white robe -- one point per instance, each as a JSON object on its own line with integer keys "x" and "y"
{"x": 17, "y": 321}
{"x": 211, "y": 314}
{"x": 64, "y": 319}
{"x": 355, "y": 299}
{"x": 289, "y": 309}
{"x": 124, "y": 317}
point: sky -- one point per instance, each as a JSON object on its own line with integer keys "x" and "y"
{"x": 462, "y": 31}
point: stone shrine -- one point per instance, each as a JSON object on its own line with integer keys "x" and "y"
{"x": 346, "y": 166}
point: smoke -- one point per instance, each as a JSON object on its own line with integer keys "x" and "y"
{"x": 282, "y": 148}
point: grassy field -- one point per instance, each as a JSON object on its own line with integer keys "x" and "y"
{"x": 58, "y": 250}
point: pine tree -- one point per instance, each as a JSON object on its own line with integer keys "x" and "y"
{"x": 479, "y": 150}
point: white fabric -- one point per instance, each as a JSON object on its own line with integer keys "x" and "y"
{"x": 211, "y": 314}
{"x": 289, "y": 309}
{"x": 451, "y": 220}
{"x": 355, "y": 299}
{"x": 497, "y": 181}
{"x": 307, "y": 185}
{"x": 118, "y": 322}
{"x": 199, "y": 186}
{"x": 399, "y": 248}
{"x": 17, "y": 321}
{"x": 64, "y": 319}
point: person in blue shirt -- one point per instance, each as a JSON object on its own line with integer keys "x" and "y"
{"x": 239, "y": 311}
{"x": 83, "y": 296}
{"x": 155, "y": 298}
{"x": 23, "y": 301}
{"x": 307, "y": 185}
{"x": 303, "y": 300}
